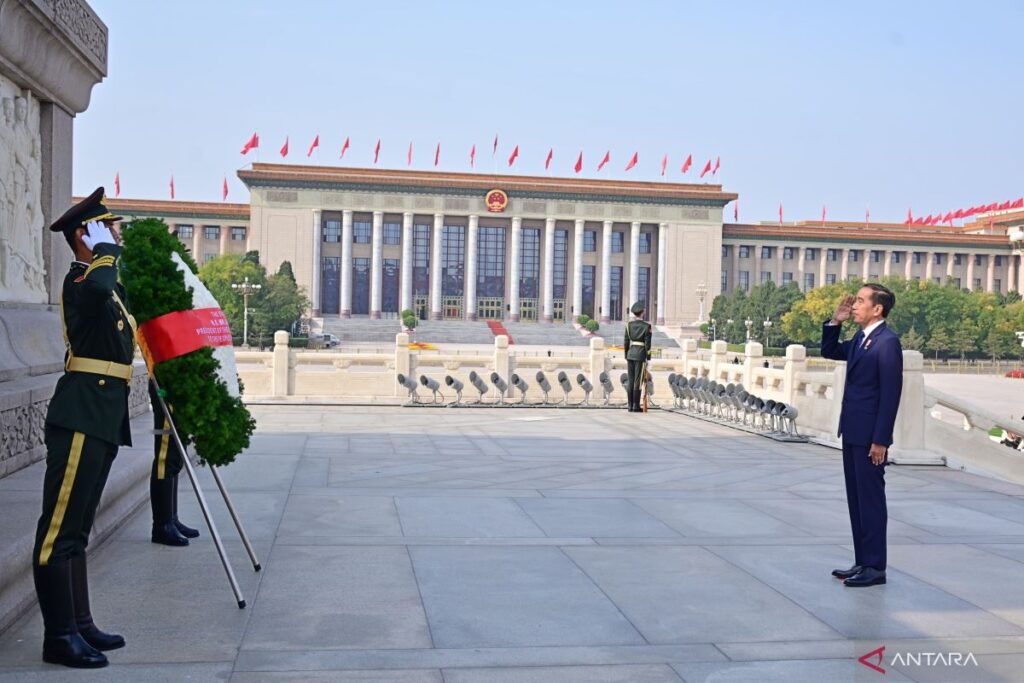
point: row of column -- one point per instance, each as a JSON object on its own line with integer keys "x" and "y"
{"x": 471, "y": 256}
{"x": 1013, "y": 278}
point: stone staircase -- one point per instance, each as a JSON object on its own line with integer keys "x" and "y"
{"x": 546, "y": 334}
{"x": 614, "y": 331}
{"x": 363, "y": 329}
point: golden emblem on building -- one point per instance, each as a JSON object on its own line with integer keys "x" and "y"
{"x": 496, "y": 200}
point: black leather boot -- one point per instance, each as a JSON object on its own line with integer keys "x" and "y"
{"x": 62, "y": 643}
{"x": 83, "y": 612}
{"x": 184, "y": 530}
{"x": 164, "y": 531}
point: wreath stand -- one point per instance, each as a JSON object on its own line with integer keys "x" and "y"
{"x": 205, "y": 508}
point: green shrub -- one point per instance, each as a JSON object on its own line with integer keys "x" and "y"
{"x": 582, "y": 319}
{"x": 409, "y": 321}
{"x": 592, "y": 325}
{"x": 406, "y": 312}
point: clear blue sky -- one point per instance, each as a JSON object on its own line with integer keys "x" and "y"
{"x": 883, "y": 104}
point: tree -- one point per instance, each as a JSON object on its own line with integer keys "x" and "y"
{"x": 802, "y": 323}
{"x": 999, "y": 343}
{"x": 285, "y": 269}
{"x": 281, "y": 303}
{"x": 964, "y": 341}
{"x": 938, "y": 341}
{"x": 218, "y": 274}
{"x": 912, "y": 341}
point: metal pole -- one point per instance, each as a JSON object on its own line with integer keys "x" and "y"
{"x": 245, "y": 317}
{"x": 234, "y": 517}
{"x": 201, "y": 498}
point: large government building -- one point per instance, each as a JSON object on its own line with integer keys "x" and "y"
{"x": 371, "y": 242}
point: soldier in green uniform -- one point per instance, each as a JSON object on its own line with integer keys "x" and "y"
{"x": 86, "y": 422}
{"x": 638, "y": 351}
{"x": 163, "y": 482}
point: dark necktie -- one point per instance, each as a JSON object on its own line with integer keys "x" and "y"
{"x": 858, "y": 340}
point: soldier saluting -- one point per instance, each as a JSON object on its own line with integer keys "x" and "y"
{"x": 86, "y": 422}
{"x": 638, "y": 351}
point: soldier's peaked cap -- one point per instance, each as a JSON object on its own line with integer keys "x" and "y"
{"x": 89, "y": 209}
{"x": 637, "y": 308}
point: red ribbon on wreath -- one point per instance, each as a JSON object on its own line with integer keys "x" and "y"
{"x": 175, "y": 334}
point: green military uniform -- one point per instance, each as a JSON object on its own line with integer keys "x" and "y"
{"x": 163, "y": 482}
{"x": 86, "y": 422}
{"x": 637, "y": 345}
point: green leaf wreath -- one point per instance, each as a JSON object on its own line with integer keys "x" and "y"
{"x": 205, "y": 413}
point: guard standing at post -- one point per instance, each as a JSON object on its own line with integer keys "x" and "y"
{"x": 637, "y": 346}
{"x": 163, "y": 482}
{"x": 86, "y": 422}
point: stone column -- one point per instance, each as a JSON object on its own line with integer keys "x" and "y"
{"x": 970, "y": 273}
{"x": 801, "y": 267}
{"x": 844, "y": 264}
{"x": 471, "y": 266}
{"x": 435, "y": 267}
{"x": 822, "y": 266}
{"x": 662, "y": 236}
{"x": 1013, "y": 274}
{"x": 950, "y": 257}
{"x": 197, "y": 245}
{"x": 346, "y": 264}
{"x": 405, "y": 301}
{"x": 756, "y": 275}
{"x": 577, "y": 268}
{"x": 634, "y": 264}
{"x": 928, "y": 265}
{"x": 549, "y": 270}
{"x": 225, "y": 237}
{"x": 316, "y": 270}
{"x": 990, "y": 273}
{"x": 517, "y": 250}
{"x": 866, "y": 267}
{"x": 376, "y": 265}
{"x": 908, "y": 266}
{"x": 734, "y": 282}
{"x": 281, "y": 377}
{"x": 606, "y": 272}
{"x": 887, "y": 263}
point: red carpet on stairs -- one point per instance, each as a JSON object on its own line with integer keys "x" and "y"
{"x": 498, "y": 329}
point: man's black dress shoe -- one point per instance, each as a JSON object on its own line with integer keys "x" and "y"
{"x": 847, "y": 573}
{"x": 868, "y": 576}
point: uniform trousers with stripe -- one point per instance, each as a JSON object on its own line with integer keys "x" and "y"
{"x": 77, "y": 466}
{"x": 167, "y": 462}
{"x": 636, "y": 370}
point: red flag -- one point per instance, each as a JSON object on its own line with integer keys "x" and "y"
{"x": 472, "y": 156}
{"x": 664, "y": 165}
{"x": 316, "y": 143}
{"x": 780, "y": 209}
{"x": 1018, "y": 204}
{"x": 344, "y": 148}
{"x": 867, "y": 215}
{"x": 919, "y": 220}
{"x": 929, "y": 219}
{"x": 408, "y": 155}
{"x": 632, "y": 161}
{"x": 512, "y": 157}
{"x": 117, "y": 184}
{"x": 718, "y": 163}
{"x": 437, "y": 154}
{"x": 172, "y": 186}
{"x": 376, "y": 151}
{"x": 992, "y": 207}
{"x": 959, "y": 213}
{"x": 948, "y": 218}
{"x": 736, "y": 211}
{"x": 822, "y": 216}
{"x": 551, "y": 155}
{"x": 1004, "y": 206}
{"x": 688, "y": 163}
{"x": 495, "y": 149}
{"x": 579, "y": 163}
{"x": 224, "y": 191}
{"x": 253, "y": 143}
{"x": 607, "y": 158}
{"x": 284, "y": 147}
{"x": 707, "y": 169}
{"x": 910, "y": 218}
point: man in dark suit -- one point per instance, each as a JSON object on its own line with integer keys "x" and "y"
{"x": 637, "y": 344}
{"x": 871, "y": 397}
{"x": 86, "y": 422}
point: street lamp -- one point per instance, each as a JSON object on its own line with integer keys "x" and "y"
{"x": 702, "y": 292}
{"x": 728, "y": 323}
{"x": 714, "y": 330}
{"x": 245, "y": 289}
{"x": 767, "y": 328}
{"x": 748, "y": 323}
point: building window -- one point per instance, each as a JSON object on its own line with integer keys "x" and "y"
{"x": 590, "y": 240}
{"x": 957, "y": 282}
{"x": 977, "y": 283}
{"x": 854, "y": 255}
{"x": 490, "y": 279}
{"x": 808, "y": 281}
{"x": 744, "y": 280}
{"x": 918, "y": 257}
{"x": 958, "y": 259}
{"x": 330, "y": 285}
{"x": 725, "y": 281}
{"x": 561, "y": 264}
{"x": 529, "y": 264}
{"x": 766, "y": 252}
{"x": 645, "y": 243}
{"x": 362, "y": 232}
{"x": 833, "y": 255}
{"x": 184, "y": 232}
{"x": 787, "y": 278}
{"x": 999, "y": 261}
{"x": 897, "y": 257}
{"x": 787, "y": 253}
{"x": 725, "y": 250}
{"x": 589, "y": 276}
{"x": 238, "y": 234}
{"x": 643, "y": 289}
{"x": 615, "y": 290}
{"x": 209, "y": 256}
{"x": 389, "y": 286}
{"x": 830, "y": 278}
{"x": 392, "y": 233}
{"x": 938, "y": 259}
{"x": 331, "y": 231}
{"x": 876, "y": 256}
{"x": 977, "y": 259}
{"x": 744, "y": 251}
{"x": 997, "y": 285}
{"x": 766, "y": 276}
{"x": 211, "y": 232}
{"x": 937, "y": 280}
{"x": 361, "y": 286}
{"x": 420, "y": 260}
{"x": 618, "y": 241}
{"x": 810, "y": 254}
{"x": 453, "y": 260}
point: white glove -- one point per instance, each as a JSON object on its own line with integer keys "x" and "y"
{"x": 96, "y": 232}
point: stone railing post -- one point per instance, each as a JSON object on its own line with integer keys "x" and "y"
{"x": 753, "y": 354}
{"x": 403, "y": 359}
{"x": 281, "y": 369}
{"x": 598, "y": 359}
{"x": 796, "y": 361}
{"x": 718, "y": 350}
{"x": 908, "y": 434}
{"x": 501, "y": 359}
{"x": 689, "y": 354}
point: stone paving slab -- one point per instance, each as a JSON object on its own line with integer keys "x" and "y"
{"x": 548, "y": 545}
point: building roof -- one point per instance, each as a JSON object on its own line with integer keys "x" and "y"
{"x": 157, "y": 208}
{"x": 435, "y": 182}
{"x": 835, "y": 232}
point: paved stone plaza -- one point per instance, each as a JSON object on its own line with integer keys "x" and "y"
{"x": 509, "y": 545}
